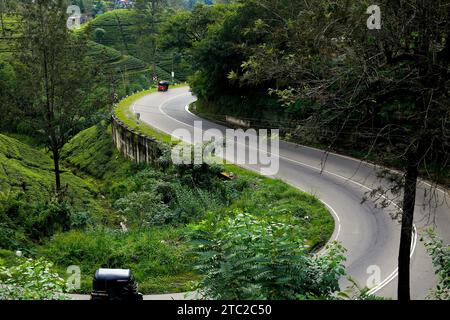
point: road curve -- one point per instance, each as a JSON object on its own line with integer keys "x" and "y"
{"x": 369, "y": 234}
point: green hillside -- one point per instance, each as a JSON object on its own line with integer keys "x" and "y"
{"x": 130, "y": 71}
{"x": 29, "y": 212}
{"x": 115, "y": 60}
{"x": 118, "y": 50}
{"x": 7, "y": 34}
{"x": 30, "y": 171}
{"x": 135, "y": 73}
{"x": 122, "y": 28}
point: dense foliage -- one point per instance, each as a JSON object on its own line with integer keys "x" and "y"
{"x": 315, "y": 70}
{"x": 31, "y": 280}
{"x": 440, "y": 254}
{"x": 317, "y": 73}
{"x": 216, "y": 41}
{"x": 118, "y": 214}
{"x": 249, "y": 258}
{"x": 182, "y": 195}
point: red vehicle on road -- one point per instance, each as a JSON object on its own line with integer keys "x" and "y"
{"x": 163, "y": 86}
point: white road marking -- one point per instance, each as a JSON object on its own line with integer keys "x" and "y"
{"x": 338, "y": 232}
{"x": 394, "y": 274}
{"x": 188, "y": 111}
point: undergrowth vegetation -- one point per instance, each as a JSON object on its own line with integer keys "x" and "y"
{"x": 155, "y": 210}
{"x": 251, "y": 257}
{"x": 126, "y": 215}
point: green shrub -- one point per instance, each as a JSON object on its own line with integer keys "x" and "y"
{"x": 93, "y": 153}
{"x": 99, "y": 34}
{"x": 440, "y": 253}
{"x": 144, "y": 209}
{"x": 190, "y": 204}
{"x": 7, "y": 258}
{"x": 278, "y": 201}
{"x": 48, "y": 218}
{"x": 12, "y": 219}
{"x": 22, "y": 222}
{"x": 31, "y": 280}
{"x": 7, "y": 236}
{"x": 245, "y": 257}
{"x": 145, "y": 179}
{"x": 80, "y": 220}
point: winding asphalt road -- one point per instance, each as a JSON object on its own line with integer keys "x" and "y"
{"x": 370, "y": 235}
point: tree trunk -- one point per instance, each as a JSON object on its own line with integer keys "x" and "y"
{"x": 154, "y": 4}
{"x": 409, "y": 200}
{"x": 57, "y": 173}
{"x": 1, "y": 17}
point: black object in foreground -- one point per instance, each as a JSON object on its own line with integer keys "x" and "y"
{"x": 115, "y": 284}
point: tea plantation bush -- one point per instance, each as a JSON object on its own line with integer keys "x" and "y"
{"x": 28, "y": 211}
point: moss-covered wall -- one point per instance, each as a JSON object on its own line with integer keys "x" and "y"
{"x": 134, "y": 145}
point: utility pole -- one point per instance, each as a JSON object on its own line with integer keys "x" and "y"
{"x": 154, "y": 5}
{"x": 173, "y": 68}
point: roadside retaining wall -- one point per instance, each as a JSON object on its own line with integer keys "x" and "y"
{"x": 134, "y": 145}
{"x": 238, "y": 122}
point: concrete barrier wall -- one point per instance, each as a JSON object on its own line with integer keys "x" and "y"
{"x": 134, "y": 145}
{"x": 238, "y": 122}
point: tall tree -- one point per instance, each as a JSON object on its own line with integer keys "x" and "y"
{"x": 386, "y": 90}
{"x": 149, "y": 31}
{"x": 185, "y": 29}
{"x": 55, "y": 73}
